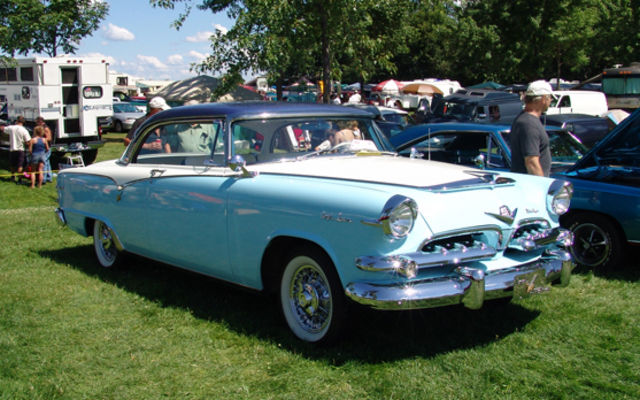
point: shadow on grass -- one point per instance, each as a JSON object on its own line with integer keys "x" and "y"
{"x": 113, "y": 139}
{"x": 628, "y": 271}
{"x": 372, "y": 336}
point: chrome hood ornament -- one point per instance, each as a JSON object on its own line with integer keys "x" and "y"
{"x": 505, "y": 215}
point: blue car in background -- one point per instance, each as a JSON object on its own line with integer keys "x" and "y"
{"x": 605, "y": 209}
{"x": 480, "y": 144}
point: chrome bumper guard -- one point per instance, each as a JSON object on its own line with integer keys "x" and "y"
{"x": 470, "y": 286}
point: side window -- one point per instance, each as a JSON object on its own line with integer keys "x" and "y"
{"x": 195, "y": 138}
{"x": 496, "y": 157}
{"x": 565, "y": 101}
{"x": 187, "y": 143}
{"x": 246, "y": 141}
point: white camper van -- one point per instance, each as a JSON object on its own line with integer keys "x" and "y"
{"x": 578, "y": 102}
{"x": 70, "y": 93}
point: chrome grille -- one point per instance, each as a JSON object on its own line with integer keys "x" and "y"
{"x": 535, "y": 235}
{"x": 455, "y": 250}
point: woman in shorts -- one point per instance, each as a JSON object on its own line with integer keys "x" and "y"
{"x": 38, "y": 148}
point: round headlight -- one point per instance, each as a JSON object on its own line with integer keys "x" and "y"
{"x": 399, "y": 216}
{"x": 559, "y": 197}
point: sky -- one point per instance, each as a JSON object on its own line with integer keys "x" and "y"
{"x": 138, "y": 39}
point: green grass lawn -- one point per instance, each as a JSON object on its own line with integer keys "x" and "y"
{"x": 72, "y": 330}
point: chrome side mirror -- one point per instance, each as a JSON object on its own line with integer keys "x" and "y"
{"x": 238, "y": 164}
{"x": 480, "y": 161}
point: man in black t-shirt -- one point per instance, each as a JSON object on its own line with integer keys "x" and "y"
{"x": 530, "y": 152}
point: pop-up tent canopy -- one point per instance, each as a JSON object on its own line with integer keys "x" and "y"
{"x": 201, "y": 88}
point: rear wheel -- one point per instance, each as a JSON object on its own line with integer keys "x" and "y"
{"x": 118, "y": 127}
{"x": 104, "y": 245}
{"x": 311, "y": 296}
{"x": 597, "y": 241}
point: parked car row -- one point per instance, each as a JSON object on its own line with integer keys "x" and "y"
{"x": 241, "y": 192}
{"x": 605, "y": 210}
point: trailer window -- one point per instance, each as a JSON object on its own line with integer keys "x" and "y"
{"x": 8, "y": 74}
{"x": 70, "y": 76}
{"x": 92, "y": 92}
{"x": 26, "y": 74}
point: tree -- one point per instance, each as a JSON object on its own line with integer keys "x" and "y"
{"x": 298, "y": 38}
{"x": 45, "y": 26}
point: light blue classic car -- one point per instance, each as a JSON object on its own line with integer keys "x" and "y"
{"x": 309, "y": 203}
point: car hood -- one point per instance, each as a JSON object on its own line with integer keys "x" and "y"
{"x": 377, "y": 169}
{"x": 384, "y": 169}
{"x": 621, "y": 147}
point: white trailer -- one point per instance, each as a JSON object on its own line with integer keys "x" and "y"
{"x": 70, "y": 93}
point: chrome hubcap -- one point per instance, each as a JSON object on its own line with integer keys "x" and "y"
{"x": 310, "y": 298}
{"x": 108, "y": 249}
{"x": 591, "y": 246}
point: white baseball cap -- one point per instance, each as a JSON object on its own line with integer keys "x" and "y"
{"x": 158, "y": 102}
{"x": 539, "y": 88}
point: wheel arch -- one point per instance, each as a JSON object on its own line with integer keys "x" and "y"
{"x": 565, "y": 219}
{"x": 274, "y": 258}
{"x": 90, "y": 222}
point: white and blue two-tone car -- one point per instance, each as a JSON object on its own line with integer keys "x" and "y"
{"x": 309, "y": 203}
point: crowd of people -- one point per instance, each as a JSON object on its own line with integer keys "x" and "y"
{"x": 29, "y": 157}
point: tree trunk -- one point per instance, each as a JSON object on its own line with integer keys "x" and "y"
{"x": 279, "y": 88}
{"x": 326, "y": 56}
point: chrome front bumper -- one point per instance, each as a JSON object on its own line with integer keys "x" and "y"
{"x": 469, "y": 286}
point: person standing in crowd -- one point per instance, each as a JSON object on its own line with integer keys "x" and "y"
{"x": 156, "y": 105}
{"x": 38, "y": 148}
{"x": 530, "y": 152}
{"x": 18, "y": 139}
{"x": 355, "y": 98}
{"x": 48, "y": 136}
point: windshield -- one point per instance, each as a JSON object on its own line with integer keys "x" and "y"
{"x": 277, "y": 139}
{"x": 455, "y": 110}
{"x": 396, "y": 117}
{"x": 565, "y": 149}
{"x": 124, "y": 108}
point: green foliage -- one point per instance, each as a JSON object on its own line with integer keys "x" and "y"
{"x": 471, "y": 41}
{"x": 46, "y": 26}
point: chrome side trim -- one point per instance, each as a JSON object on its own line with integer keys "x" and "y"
{"x": 468, "y": 286}
{"x": 62, "y": 220}
{"x": 116, "y": 238}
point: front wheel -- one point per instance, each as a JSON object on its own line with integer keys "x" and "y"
{"x": 311, "y": 296}
{"x": 597, "y": 242}
{"x": 104, "y": 245}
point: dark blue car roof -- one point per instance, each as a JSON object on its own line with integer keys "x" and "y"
{"x": 258, "y": 109}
